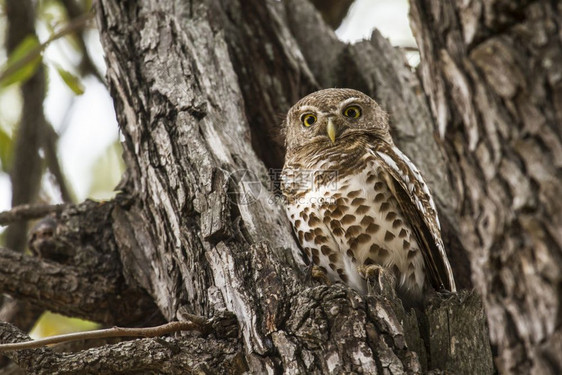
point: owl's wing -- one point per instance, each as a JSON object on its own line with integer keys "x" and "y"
{"x": 416, "y": 203}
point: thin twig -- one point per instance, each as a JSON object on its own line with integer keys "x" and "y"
{"x": 109, "y": 332}
{"x": 87, "y": 66}
{"x": 409, "y": 48}
{"x": 50, "y": 148}
{"x": 28, "y": 211}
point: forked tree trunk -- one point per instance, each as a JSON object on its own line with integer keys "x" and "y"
{"x": 200, "y": 89}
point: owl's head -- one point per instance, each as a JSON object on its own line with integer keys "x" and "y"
{"x": 331, "y": 117}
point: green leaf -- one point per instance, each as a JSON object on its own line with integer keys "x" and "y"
{"x": 71, "y": 80}
{"x": 50, "y": 324}
{"x": 22, "y": 63}
{"x": 6, "y": 146}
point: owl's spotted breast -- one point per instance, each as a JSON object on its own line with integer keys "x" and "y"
{"x": 355, "y": 221}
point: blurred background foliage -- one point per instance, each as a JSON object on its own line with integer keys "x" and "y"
{"x": 64, "y": 48}
{"x": 52, "y": 88}
{"x": 76, "y": 103}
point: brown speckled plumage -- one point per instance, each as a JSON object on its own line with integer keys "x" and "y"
{"x": 354, "y": 199}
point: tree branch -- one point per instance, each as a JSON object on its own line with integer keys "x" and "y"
{"x": 333, "y": 11}
{"x": 70, "y": 290}
{"x": 109, "y": 332}
{"x": 29, "y": 212}
{"x": 186, "y": 355}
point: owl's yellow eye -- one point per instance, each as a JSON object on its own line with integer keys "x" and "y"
{"x": 308, "y": 119}
{"x": 352, "y": 111}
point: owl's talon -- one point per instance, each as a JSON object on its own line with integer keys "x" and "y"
{"x": 371, "y": 271}
{"x": 445, "y": 294}
{"x": 319, "y": 275}
{"x": 380, "y": 280}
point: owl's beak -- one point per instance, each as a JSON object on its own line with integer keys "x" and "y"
{"x": 331, "y": 130}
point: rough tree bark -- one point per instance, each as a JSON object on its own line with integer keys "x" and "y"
{"x": 493, "y": 74}
{"x": 200, "y": 89}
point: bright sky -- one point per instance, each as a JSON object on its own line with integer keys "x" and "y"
{"x": 389, "y": 16}
{"x": 91, "y": 124}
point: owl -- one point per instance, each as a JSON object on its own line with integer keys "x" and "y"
{"x": 356, "y": 202}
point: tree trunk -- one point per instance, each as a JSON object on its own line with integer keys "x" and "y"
{"x": 493, "y": 75}
{"x": 200, "y": 89}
